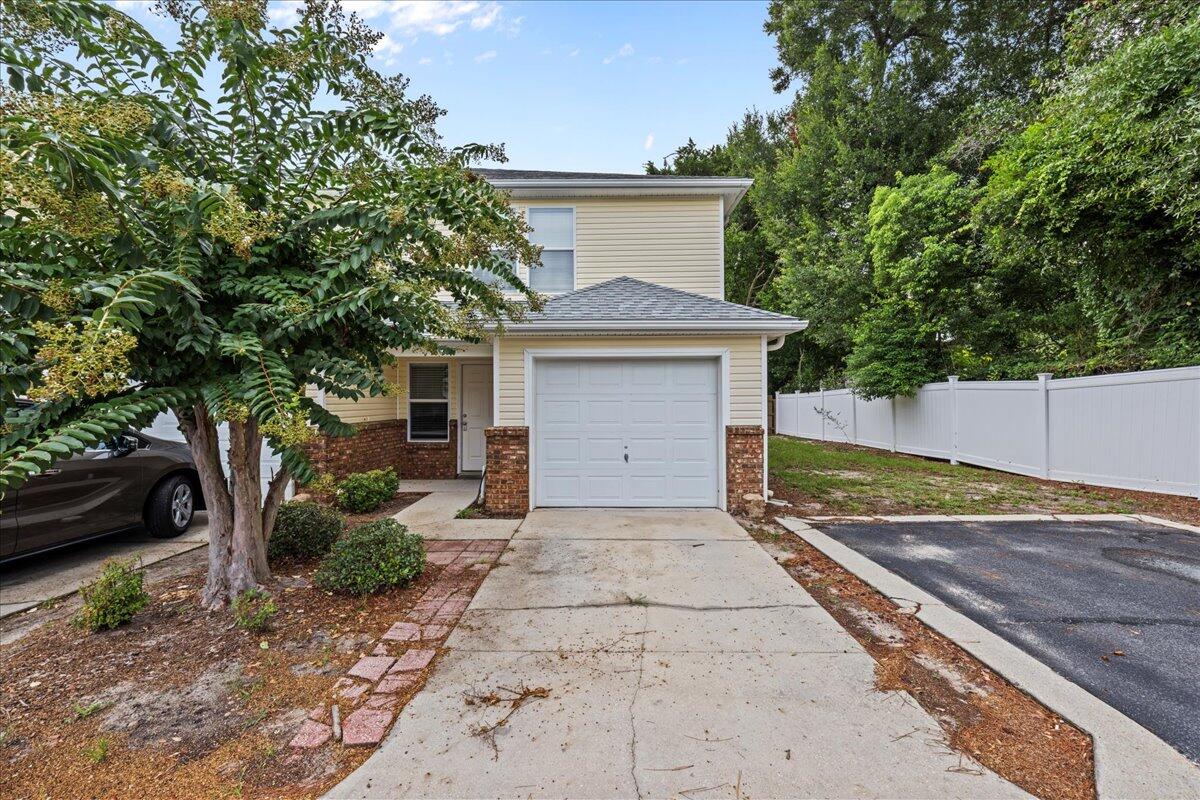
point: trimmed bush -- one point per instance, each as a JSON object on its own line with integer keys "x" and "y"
{"x": 113, "y": 598}
{"x": 371, "y": 557}
{"x": 367, "y": 491}
{"x": 304, "y": 530}
{"x": 253, "y": 610}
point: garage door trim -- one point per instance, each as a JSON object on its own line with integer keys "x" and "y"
{"x": 720, "y": 354}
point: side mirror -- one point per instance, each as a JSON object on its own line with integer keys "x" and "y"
{"x": 125, "y": 444}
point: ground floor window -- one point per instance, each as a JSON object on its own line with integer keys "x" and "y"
{"x": 428, "y": 402}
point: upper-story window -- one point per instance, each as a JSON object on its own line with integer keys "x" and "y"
{"x": 554, "y": 230}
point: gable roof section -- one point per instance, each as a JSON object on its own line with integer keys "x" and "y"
{"x": 627, "y": 304}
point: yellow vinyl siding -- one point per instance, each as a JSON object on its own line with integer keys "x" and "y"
{"x": 674, "y": 242}
{"x": 745, "y": 368}
{"x": 372, "y": 409}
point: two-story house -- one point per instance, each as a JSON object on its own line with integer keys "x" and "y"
{"x": 636, "y": 385}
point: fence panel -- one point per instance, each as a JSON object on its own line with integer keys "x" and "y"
{"x": 999, "y": 425}
{"x": 1136, "y": 430}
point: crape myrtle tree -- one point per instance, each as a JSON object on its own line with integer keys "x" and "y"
{"x": 216, "y": 252}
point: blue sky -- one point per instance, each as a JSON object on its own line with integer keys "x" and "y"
{"x": 599, "y": 86}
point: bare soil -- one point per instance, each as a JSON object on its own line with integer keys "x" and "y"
{"x": 183, "y": 703}
{"x": 983, "y": 715}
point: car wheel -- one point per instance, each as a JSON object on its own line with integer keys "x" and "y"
{"x": 171, "y": 507}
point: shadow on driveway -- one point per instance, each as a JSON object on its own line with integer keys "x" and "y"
{"x": 1113, "y": 606}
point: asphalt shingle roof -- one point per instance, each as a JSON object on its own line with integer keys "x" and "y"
{"x": 628, "y": 299}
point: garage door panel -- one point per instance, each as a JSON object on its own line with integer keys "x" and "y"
{"x": 647, "y": 412}
{"x": 604, "y": 412}
{"x": 604, "y": 452}
{"x": 663, "y": 414}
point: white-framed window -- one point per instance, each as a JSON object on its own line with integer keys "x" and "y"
{"x": 428, "y": 402}
{"x": 554, "y": 230}
{"x": 492, "y": 279}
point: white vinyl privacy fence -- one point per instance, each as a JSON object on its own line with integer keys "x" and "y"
{"x": 1135, "y": 430}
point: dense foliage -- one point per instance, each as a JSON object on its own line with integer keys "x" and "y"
{"x": 304, "y": 529}
{"x": 163, "y": 248}
{"x": 113, "y": 598}
{"x": 366, "y": 491}
{"x": 975, "y": 188}
{"x": 374, "y": 556}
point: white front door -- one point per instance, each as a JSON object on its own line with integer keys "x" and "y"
{"x": 475, "y": 415}
{"x": 629, "y": 432}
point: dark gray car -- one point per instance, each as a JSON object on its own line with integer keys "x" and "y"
{"x": 132, "y": 480}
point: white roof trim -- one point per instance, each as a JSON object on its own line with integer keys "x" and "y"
{"x": 776, "y": 327}
{"x": 731, "y": 189}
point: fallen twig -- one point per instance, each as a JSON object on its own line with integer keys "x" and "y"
{"x": 518, "y": 698}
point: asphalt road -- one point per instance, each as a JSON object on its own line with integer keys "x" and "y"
{"x": 1072, "y": 594}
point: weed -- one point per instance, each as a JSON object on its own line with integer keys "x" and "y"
{"x": 97, "y": 751}
{"x": 83, "y": 712}
{"x": 637, "y": 600}
{"x": 470, "y": 512}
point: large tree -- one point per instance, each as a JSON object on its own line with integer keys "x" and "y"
{"x": 162, "y": 247}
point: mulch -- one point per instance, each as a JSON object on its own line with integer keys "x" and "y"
{"x": 182, "y": 702}
{"x": 983, "y": 715}
{"x": 401, "y": 501}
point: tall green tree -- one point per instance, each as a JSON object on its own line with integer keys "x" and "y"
{"x": 163, "y": 249}
{"x": 881, "y": 86}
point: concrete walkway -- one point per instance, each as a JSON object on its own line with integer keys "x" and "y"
{"x": 678, "y": 660}
{"x": 34, "y": 580}
{"x": 434, "y": 516}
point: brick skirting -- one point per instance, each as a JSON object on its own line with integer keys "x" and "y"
{"x": 384, "y": 443}
{"x": 506, "y": 484}
{"x": 743, "y": 467}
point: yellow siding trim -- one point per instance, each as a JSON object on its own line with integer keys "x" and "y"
{"x": 745, "y": 368}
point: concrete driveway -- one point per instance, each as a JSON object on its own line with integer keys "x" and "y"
{"x": 31, "y": 581}
{"x": 676, "y": 658}
{"x": 1113, "y": 606}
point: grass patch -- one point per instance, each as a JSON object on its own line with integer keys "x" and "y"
{"x": 839, "y": 479}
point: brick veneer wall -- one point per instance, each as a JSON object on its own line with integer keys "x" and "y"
{"x": 376, "y": 445}
{"x": 506, "y": 484}
{"x": 743, "y": 465}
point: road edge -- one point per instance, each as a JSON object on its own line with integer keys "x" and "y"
{"x": 1131, "y": 762}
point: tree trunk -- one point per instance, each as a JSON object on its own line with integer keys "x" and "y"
{"x": 237, "y": 551}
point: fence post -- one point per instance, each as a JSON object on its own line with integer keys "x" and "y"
{"x": 822, "y": 391}
{"x": 953, "y": 379}
{"x": 1044, "y": 412}
{"x": 776, "y": 420}
{"x": 853, "y": 419}
{"x": 892, "y": 405}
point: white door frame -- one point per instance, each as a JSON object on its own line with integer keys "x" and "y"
{"x": 461, "y": 386}
{"x": 720, "y": 353}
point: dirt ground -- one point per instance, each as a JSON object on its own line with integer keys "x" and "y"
{"x": 982, "y": 715}
{"x": 828, "y": 478}
{"x": 183, "y": 703}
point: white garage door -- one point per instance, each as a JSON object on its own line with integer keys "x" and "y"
{"x": 634, "y": 432}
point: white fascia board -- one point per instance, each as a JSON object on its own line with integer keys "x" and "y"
{"x": 771, "y": 327}
{"x": 731, "y": 189}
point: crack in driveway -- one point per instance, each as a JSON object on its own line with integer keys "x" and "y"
{"x": 648, "y": 604}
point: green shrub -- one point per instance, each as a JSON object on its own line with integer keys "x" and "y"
{"x": 304, "y": 530}
{"x": 253, "y": 609}
{"x": 113, "y": 598}
{"x": 371, "y": 557}
{"x": 367, "y": 491}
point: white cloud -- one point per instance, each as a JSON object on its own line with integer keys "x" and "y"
{"x": 649, "y": 141}
{"x": 439, "y": 17}
{"x": 625, "y": 52}
{"x": 682, "y": 61}
{"x": 485, "y": 57}
{"x": 425, "y": 61}
{"x": 574, "y": 52}
{"x": 387, "y": 46}
{"x": 654, "y": 60}
{"x": 284, "y": 13}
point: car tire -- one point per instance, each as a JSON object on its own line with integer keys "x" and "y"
{"x": 171, "y": 506}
